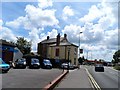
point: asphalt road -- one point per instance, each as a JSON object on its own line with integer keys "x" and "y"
{"x": 108, "y": 79}
{"x": 29, "y": 78}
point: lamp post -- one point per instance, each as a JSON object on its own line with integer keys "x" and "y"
{"x": 79, "y": 43}
{"x": 68, "y": 58}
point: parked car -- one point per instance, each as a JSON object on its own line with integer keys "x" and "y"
{"x": 20, "y": 63}
{"x": 67, "y": 66}
{"x": 4, "y": 66}
{"x": 47, "y": 64}
{"x": 99, "y": 67}
{"x": 64, "y": 65}
{"x": 34, "y": 63}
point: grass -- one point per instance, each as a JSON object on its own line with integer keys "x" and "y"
{"x": 117, "y": 67}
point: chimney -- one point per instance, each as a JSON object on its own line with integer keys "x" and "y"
{"x": 58, "y": 39}
{"x": 48, "y": 37}
{"x": 65, "y": 36}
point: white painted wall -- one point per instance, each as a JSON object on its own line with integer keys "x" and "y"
{"x": 17, "y": 54}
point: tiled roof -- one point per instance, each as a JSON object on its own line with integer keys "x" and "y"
{"x": 52, "y": 40}
{"x": 64, "y": 44}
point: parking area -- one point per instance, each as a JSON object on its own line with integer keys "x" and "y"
{"x": 29, "y": 78}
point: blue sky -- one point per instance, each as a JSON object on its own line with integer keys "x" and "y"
{"x": 37, "y": 20}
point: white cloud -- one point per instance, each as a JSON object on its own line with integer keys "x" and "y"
{"x": 41, "y": 18}
{"x": 94, "y": 13}
{"x": 1, "y": 23}
{"x": 35, "y": 18}
{"x": 111, "y": 39}
{"x": 45, "y": 3}
{"x": 16, "y": 23}
{"x": 72, "y": 32}
{"x": 67, "y": 12}
{"x": 53, "y": 33}
{"x": 4, "y": 34}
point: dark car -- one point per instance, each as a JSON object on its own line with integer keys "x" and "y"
{"x": 3, "y": 66}
{"x": 47, "y": 64}
{"x": 99, "y": 67}
{"x": 20, "y": 63}
{"x": 34, "y": 63}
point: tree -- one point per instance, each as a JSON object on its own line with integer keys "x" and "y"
{"x": 81, "y": 60}
{"x": 116, "y": 56}
{"x": 23, "y": 45}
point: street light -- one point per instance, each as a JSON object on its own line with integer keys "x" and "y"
{"x": 68, "y": 58}
{"x": 79, "y": 43}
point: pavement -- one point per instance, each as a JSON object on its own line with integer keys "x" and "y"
{"x": 77, "y": 78}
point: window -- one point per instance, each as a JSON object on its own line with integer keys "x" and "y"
{"x": 74, "y": 61}
{"x": 57, "y": 52}
{"x": 75, "y": 51}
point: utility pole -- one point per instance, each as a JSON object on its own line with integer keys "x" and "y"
{"x": 79, "y": 43}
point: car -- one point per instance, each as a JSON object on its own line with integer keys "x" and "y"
{"x": 35, "y": 64}
{"x": 71, "y": 66}
{"x": 20, "y": 63}
{"x": 99, "y": 67}
{"x": 4, "y": 66}
{"x": 67, "y": 66}
{"x": 64, "y": 65}
{"x": 47, "y": 64}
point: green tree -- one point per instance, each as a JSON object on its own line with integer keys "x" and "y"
{"x": 81, "y": 60}
{"x": 116, "y": 56}
{"x": 23, "y": 45}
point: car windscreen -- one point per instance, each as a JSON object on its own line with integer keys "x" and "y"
{"x": 2, "y": 62}
{"x": 34, "y": 60}
{"x": 46, "y": 61}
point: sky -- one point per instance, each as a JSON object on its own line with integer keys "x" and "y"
{"x": 97, "y": 20}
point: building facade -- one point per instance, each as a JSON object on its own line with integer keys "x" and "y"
{"x": 58, "y": 48}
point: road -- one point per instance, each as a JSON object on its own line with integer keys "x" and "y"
{"x": 29, "y": 78}
{"x": 108, "y": 79}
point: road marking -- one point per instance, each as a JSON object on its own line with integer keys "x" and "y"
{"x": 94, "y": 83}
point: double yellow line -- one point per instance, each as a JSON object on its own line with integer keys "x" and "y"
{"x": 92, "y": 80}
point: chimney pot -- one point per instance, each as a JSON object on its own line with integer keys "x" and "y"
{"x": 58, "y": 39}
{"x": 48, "y": 37}
{"x": 65, "y": 36}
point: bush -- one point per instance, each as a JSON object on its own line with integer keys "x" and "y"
{"x": 117, "y": 67}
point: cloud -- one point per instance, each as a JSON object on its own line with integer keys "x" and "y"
{"x": 45, "y": 3}
{"x": 4, "y": 34}
{"x": 35, "y": 18}
{"x": 94, "y": 13}
{"x": 41, "y": 18}
{"x": 16, "y": 23}
{"x": 1, "y": 23}
{"x": 67, "y": 12}
{"x": 72, "y": 32}
{"x": 111, "y": 39}
{"x": 103, "y": 11}
{"x": 53, "y": 33}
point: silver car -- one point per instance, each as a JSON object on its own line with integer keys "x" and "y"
{"x": 34, "y": 63}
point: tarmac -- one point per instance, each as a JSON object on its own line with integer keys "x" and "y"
{"x": 75, "y": 79}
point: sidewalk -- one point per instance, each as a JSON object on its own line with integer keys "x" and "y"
{"x": 75, "y": 79}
